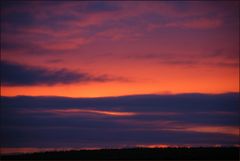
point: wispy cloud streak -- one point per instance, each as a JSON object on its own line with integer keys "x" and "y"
{"x": 77, "y": 112}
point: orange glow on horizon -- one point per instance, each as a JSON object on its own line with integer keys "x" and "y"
{"x": 156, "y": 146}
{"x": 175, "y": 86}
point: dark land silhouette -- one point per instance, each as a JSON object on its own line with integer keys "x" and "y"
{"x": 230, "y": 153}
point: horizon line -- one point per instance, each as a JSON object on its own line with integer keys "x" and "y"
{"x": 129, "y": 95}
{"x": 32, "y": 150}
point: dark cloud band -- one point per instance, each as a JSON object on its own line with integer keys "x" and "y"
{"x": 20, "y": 75}
{"x": 183, "y": 119}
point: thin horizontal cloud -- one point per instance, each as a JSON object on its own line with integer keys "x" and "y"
{"x": 13, "y": 74}
{"x": 78, "y": 112}
{"x": 223, "y": 53}
{"x": 200, "y": 23}
{"x": 54, "y": 61}
{"x": 209, "y": 59}
{"x": 230, "y": 130}
{"x": 67, "y": 44}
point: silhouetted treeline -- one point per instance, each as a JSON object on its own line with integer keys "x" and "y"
{"x": 134, "y": 154}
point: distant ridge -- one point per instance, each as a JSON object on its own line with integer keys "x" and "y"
{"x": 214, "y": 153}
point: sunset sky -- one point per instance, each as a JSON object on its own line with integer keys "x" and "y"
{"x": 114, "y": 74}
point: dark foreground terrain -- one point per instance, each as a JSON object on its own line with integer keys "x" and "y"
{"x": 134, "y": 154}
